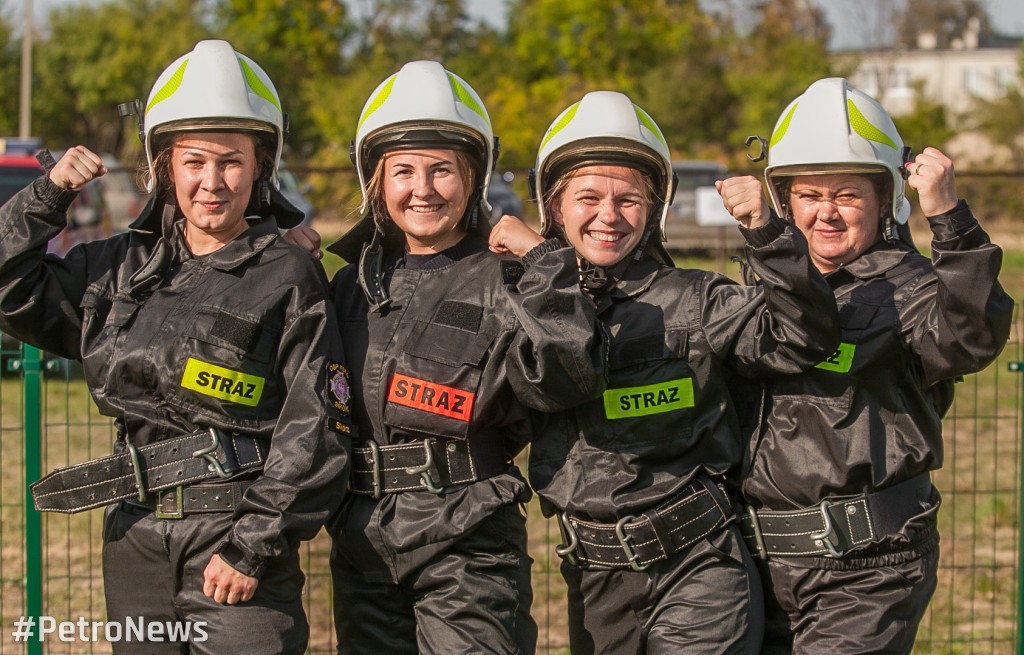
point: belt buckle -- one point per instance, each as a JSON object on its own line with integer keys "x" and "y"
{"x": 631, "y": 557}
{"x": 178, "y": 512}
{"x": 137, "y": 469}
{"x": 209, "y": 454}
{"x": 823, "y": 536}
{"x": 378, "y": 489}
{"x": 426, "y": 468}
{"x": 762, "y": 551}
{"x": 567, "y": 551}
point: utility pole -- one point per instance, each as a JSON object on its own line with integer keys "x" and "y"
{"x": 25, "y": 114}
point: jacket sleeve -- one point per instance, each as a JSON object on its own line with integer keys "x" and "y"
{"x": 40, "y": 294}
{"x": 786, "y": 324}
{"x": 558, "y": 353}
{"x": 306, "y": 471}
{"x": 958, "y": 319}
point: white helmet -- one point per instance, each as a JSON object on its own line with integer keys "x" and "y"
{"x": 213, "y": 88}
{"x": 603, "y": 128}
{"x": 424, "y": 106}
{"x": 835, "y": 128}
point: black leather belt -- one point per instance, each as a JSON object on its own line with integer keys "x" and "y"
{"x": 203, "y": 498}
{"x": 835, "y": 525}
{"x": 638, "y": 541}
{"x": 430, "y": 465}
{"x": 138, "y": 472}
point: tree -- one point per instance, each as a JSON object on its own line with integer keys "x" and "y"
{"x": 947, "y": 21}
{"x": 782, "y": 55}
{"x": 98, "y": 56}
{"x": 10, "y": 76}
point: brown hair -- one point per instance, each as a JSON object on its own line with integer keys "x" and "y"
{"x": 464, "y": 161}
{"x": 163, "y": 147}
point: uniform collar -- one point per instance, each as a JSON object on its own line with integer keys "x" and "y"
{"x": 875, "y": 261}
{"x": 261, "y": 233}
{"x": 636, "y": 279}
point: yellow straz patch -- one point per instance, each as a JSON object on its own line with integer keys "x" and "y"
{"x": 431, "y": 397}
{"x": 841, "y": 361}
{"x": 628, "y": 402}
{"x": 219, "y": 382}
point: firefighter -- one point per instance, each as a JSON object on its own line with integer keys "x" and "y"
{"x": 843, "y": 513}
{"x": 451, "y": 349}
{"x": 213, "y": 345}
{"x": 638, "y": 477}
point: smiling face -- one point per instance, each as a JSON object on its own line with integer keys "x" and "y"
{"x": 603, "y": 210}
{"x": 426, "y": 193}
{"x": 839, "y": 214}
{"x": 212, "y": 174}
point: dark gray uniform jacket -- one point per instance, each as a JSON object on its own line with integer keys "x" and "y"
{"x": 507, "y": 349}
{"x": 678, "y": 337}
{"x": 257, "y": 306}
{"x": 869, "y": 416}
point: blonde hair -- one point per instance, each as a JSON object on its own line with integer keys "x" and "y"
{"x": 553, "y": 196}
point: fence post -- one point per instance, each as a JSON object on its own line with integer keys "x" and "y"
{"x": 33, "y": 384}
{"x": 1017, "y": 367}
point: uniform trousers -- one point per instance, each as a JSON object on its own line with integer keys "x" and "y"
{"x": 704, "y": 599}
{"x": 153, "y": 568}
{"x": 846, "y": 606}
{"x": 472, "y": 597}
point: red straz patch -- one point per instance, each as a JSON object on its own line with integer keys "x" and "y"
{"x": 430, "y": 397}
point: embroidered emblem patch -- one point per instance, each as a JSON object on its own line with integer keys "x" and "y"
{"x": 627, "y": 402}
{"x": 337, "y": 382}
{"x": 223, "y": 383}
{"x": 431, "y": 397}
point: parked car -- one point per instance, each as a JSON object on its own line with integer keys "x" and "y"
{"x": 697, "y": 222}
{"x": 18, "y": 168}
{"x": 503, "y": 198}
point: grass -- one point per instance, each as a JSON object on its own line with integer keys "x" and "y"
{"x": 974, "y": 608}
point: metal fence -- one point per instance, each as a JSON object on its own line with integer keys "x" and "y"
{"x": 50, "y": 565}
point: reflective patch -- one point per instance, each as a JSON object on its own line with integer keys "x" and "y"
{"x": 337, "y": 382}
{"x": 431, "y": 397}
{"x": 223, "y": 383}
{"x": 841, "y": 361}
{"x": 628, "y": 402}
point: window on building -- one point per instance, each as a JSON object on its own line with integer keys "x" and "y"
{"x": 973, "y": 81}
{"x": 899, "y": 83}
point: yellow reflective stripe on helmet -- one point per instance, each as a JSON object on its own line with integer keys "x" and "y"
{"x": 627, "y": 402}
{"x": 651, "y": 125}
{"x": 467, "y": 98}
{"x": 783, "y": 127}
{"x": 377, "y": 101}
{"x": 557, "y": 127}
{"x": 841, "y": 361}
{"x": 168, "y": 89}
{"x": 257, "y": 85}
{"x": 864, "y": 127}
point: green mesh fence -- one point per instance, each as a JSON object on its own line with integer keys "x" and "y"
{"x": 974, "y": 609}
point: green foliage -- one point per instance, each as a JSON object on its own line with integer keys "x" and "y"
{"x": 98, "y": 56}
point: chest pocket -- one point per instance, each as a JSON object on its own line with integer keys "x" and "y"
{"x": 225, "y": 367}
{"x": 866, "y": 337}
{"x": 102, "y": 321}
{"x": 650, "y": 399}
{"x": 437, "y": 380}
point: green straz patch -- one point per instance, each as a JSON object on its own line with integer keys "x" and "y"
{"x": 841, "y": 361}
{"x": 223, "y": 383}
{"x": 628, "y": 402}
